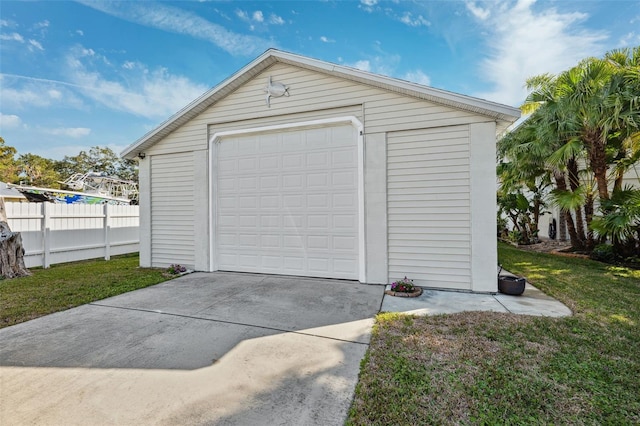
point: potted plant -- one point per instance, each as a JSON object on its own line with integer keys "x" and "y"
{"x": 404, "y": 288}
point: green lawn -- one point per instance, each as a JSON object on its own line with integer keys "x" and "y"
{"x": 492, "y": 368}
{"x": 71, "y": 284}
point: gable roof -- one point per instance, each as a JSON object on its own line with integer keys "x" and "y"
{"x": 503, "y": 114}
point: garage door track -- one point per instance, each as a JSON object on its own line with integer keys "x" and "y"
{"x": 221, "y": 348}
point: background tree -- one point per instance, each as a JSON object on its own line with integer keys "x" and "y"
{"x": 585, "y": 129}
{"x": 8, "y": 166}
{"x": 98, "y": 160}
{"x": 39, "y": 171}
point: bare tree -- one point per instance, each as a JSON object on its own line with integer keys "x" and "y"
{"x": 11, "y": 250}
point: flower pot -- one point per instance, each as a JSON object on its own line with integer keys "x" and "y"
{"x": 415, "y": 293}
{"x": 511, "y": 285}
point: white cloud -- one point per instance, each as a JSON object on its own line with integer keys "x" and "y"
{"x": 258, "y": 16}
{"x": 144, "y": 92}
{"x": 41, "y": 25}
{"x": 408, "y": 19}
{"x": 54, "y": 94}
{"x": 9, "y": 121}
{"x": 37, "y": 45}
{"x": 275, "y": 20}
{"x": 176, "y": 20}
{"x": 630, "y": 39}
{"x": 418, "y": 77}
{"x": 30, "y": 95}
{"x": 384, "y": 64}
{"x": 478, "y": 11}
{"x": 80, "y": 32}
{"x": 71, "y": 132}
{"x": 242, "y": 15}
{"x": 363, "y": 65}
{"x": 12, "y": 37}
{"x": 326, "y": 40}
{"x": 368, "y": 5}
{"x": 523, "y": 43}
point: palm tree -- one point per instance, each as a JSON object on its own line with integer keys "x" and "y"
{"x": 557, "y": 151}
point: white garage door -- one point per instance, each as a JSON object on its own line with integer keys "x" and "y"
{"x": 287, "y": 203}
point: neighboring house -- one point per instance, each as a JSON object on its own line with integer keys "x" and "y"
{"x": 297, "y": 166}
{"x": 11, "y": 195}
{"x": 631, "y": 179}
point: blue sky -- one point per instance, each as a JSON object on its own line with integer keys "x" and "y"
{"x": 79, "y": 74}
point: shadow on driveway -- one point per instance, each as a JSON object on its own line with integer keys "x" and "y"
{"x": 190, "y": 322}
{"x": 220, "y": 348}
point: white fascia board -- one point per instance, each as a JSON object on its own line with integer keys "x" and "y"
{"x": 505, "y": 112}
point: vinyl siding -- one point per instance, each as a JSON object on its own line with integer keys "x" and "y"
{"x": 312, "y": 95}
{"x": 172, "y": 209}
{"x": 426, "y": 198}
{"x": 428, "y": 207}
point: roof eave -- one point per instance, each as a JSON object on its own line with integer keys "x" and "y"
{"x": 503, "y": 114}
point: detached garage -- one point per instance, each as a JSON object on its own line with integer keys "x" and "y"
{"x": 296, "y": 166}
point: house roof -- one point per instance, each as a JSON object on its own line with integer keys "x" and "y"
{"x": 6, "y": 192}
{"x": 503, "y": 114}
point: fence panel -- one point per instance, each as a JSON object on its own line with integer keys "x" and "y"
{"x": 58, "y": 233}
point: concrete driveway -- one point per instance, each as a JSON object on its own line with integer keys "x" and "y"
{"x": 219, "y": 348}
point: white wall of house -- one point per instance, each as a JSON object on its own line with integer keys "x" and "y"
{"x": 457, "y": 221}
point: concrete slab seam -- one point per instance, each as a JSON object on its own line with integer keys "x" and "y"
{"x": 226, "y": 322}
{"x": 502, "y": 304}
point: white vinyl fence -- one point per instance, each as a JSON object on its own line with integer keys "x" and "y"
{"x": 58, "y": 233}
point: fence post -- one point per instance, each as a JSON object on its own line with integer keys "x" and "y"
{"x": 107, "y": 232}
{"x": 46, "y": 234}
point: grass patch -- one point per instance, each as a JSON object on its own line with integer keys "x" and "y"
{"x": 68, "y": 285}
{"x": 493, "y": 368}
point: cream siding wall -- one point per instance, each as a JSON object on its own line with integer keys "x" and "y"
{"x": 172, "y": 207}
{"x": 429, "y": 209}
{"x": 314, "y": 96}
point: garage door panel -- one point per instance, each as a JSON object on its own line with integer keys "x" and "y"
{"x": 294, "y": 201}
{"x": 247, "y": 202}
{"x": 344, "y": 179}
{"x": 292, "y": 161}
{"x": 343, "y": 157}
{"x": 227, "y": 185}
{"x": 293, "y": 182}
{"x": 270, "y": 202}
{"x": 344, "y": 200}
{"x": 318, "y": 180}
{"x": 288, "y": 203}
{"x": 271, "y": 242}
{"x": 317, "y": 160}
{"x": 270, "y": 183}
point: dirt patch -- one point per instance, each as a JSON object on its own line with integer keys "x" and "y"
{"x": 547, "y": 246}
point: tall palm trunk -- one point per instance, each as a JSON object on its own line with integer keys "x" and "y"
{"x": 597, "y": 160}
{"x": 588, "y": 211}
{"x": 561, "y": 184}
{"x": 574, "y": 184}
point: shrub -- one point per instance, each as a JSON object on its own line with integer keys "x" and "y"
{"x": 603, "y": 253}
{"x": 176, "y": 269}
